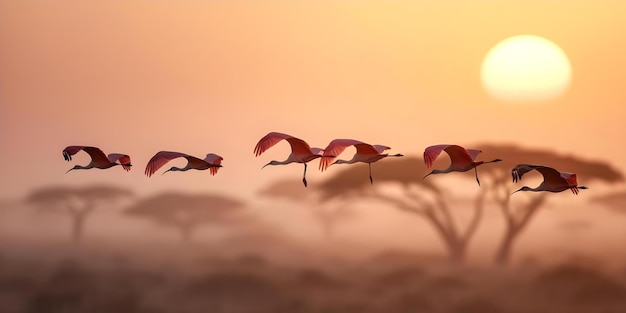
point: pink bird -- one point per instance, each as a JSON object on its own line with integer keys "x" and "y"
{"x": 301, "y": 152}
{"x": 211, "y": 162}
{"x": 462, "y": 160}
{"x": 98, "y": 158}
{"x": 365, "y": 153}
{"x": 553, "y": 180}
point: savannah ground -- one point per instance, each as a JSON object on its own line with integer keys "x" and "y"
{"x": 98, "y": 276}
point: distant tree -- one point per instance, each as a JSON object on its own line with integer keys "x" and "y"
{"x": 420, "y": 197}
{"x": 187, "y": 212}
{"x": 78, "y": 202}
{"x": 327, "y": 215}
{"x": 517, "y": 214}
{"x": 615, "y": 201}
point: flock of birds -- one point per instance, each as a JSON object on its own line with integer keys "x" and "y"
{"x": 462, "y": 160}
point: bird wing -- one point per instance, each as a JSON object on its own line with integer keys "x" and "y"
{"x": 269, "y": 141}
{"x": 124, "y": 160}
{"x": 431, "y": 153}
{"x": 519, "y": 170}
{"x": 69, "y": 151}
{"x": 571, "y": 180}
{"x": 97, "y": 156}
{"x": 317, "y": 150}
{"x": 381, "y": 148}
{"x": 474, "y": 153}
{"x": 458, "y": 155}
{"x": 337, "y": 146}
{"x": 215, "y": 159}
{"x": 160, "y": 159}
{"x": 551, "y": 176}
{"x": 299, "y": 146}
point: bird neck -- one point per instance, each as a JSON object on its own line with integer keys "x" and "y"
{"x": 351, "y": 161}
{"x": 448, "y": 170}
{"x": 288, "y": 161}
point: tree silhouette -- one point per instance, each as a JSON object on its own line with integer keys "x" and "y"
{"x": 187, "y": 212}
{"x": 615, "y": 201}
{"x": 78, "y": 202}
{"x": 421, "y": 197}
{"x": 518, "y": 216}
{"x": 327, "y": 215}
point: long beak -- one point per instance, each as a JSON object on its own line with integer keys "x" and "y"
{"x": 426, "y": 175}
{"x": 265, "y": 165}
{"x": 165, "y": 172}
{"x": 516, "y": 191}
{"x": 69, "y": 170}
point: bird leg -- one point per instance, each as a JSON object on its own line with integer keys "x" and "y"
{"x": 304, "y": 176}
{"x": 371, "y": 180}
{"x": 476, "y": 172}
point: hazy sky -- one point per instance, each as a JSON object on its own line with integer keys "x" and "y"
{"x": 137, "y": 77}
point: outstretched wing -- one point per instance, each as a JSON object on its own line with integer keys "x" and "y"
{"x": 215, "y": 159}
{"x": 298, "y": 146}
{"x": 380, "y": 148}
{"x": 317, "y": 150}
{"x": 337, "y": 146}
{"x": 124, "y": 160}
{"x": 474, "y": 153}
{"x": 69, "y": 151}
{"x": 519, "y": 170}
{"x": 160, "y": 159}
{"x": 551, "y": 176}
{"x": 97, "y": 156}
{"x": 571, "y": 180}
{"x": 458, "y": 155}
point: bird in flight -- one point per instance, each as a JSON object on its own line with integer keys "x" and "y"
{"x": 553, "y": 180}
{"x": 301, "y": 152}
{"x": 211, "y": 161}
{"x": 98, "y": 158}
{"x": 365, "y": 153}
{"x": 462, "y": 160}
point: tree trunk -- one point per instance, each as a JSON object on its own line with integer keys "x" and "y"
{"x": 457, "y": 252}
{"x": 503, "y": 254}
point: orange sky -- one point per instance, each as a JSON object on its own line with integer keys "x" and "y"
{"x": 137, "y": 77}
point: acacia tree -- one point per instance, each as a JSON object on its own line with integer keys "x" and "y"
{"x": 327, "y": 215}
{"x": 77, "y": 202}
{"x": 420, "y": 197}
{"x": 187, "y": 212}
{"x": 517, "y": 214}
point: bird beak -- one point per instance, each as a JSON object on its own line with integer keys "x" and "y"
{"x": 69, "y": 170}
{"x": 426, "y": 175}
{"x": 165, "y": 172}
{"x": 265, "y": 165}
{"x": 516, "y": 191}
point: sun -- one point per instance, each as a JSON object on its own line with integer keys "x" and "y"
{"x": 526, "y": 68}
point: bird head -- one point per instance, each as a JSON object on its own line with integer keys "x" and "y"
{"x": 271, "y": 163}
{"x": 525, "y": 188}
{"x": 173, "y": 168}
{"x": 433, "y": 172}
{"x": 76, "y": 167}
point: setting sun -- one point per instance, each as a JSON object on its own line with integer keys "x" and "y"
{"x": 526, "y": 68}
